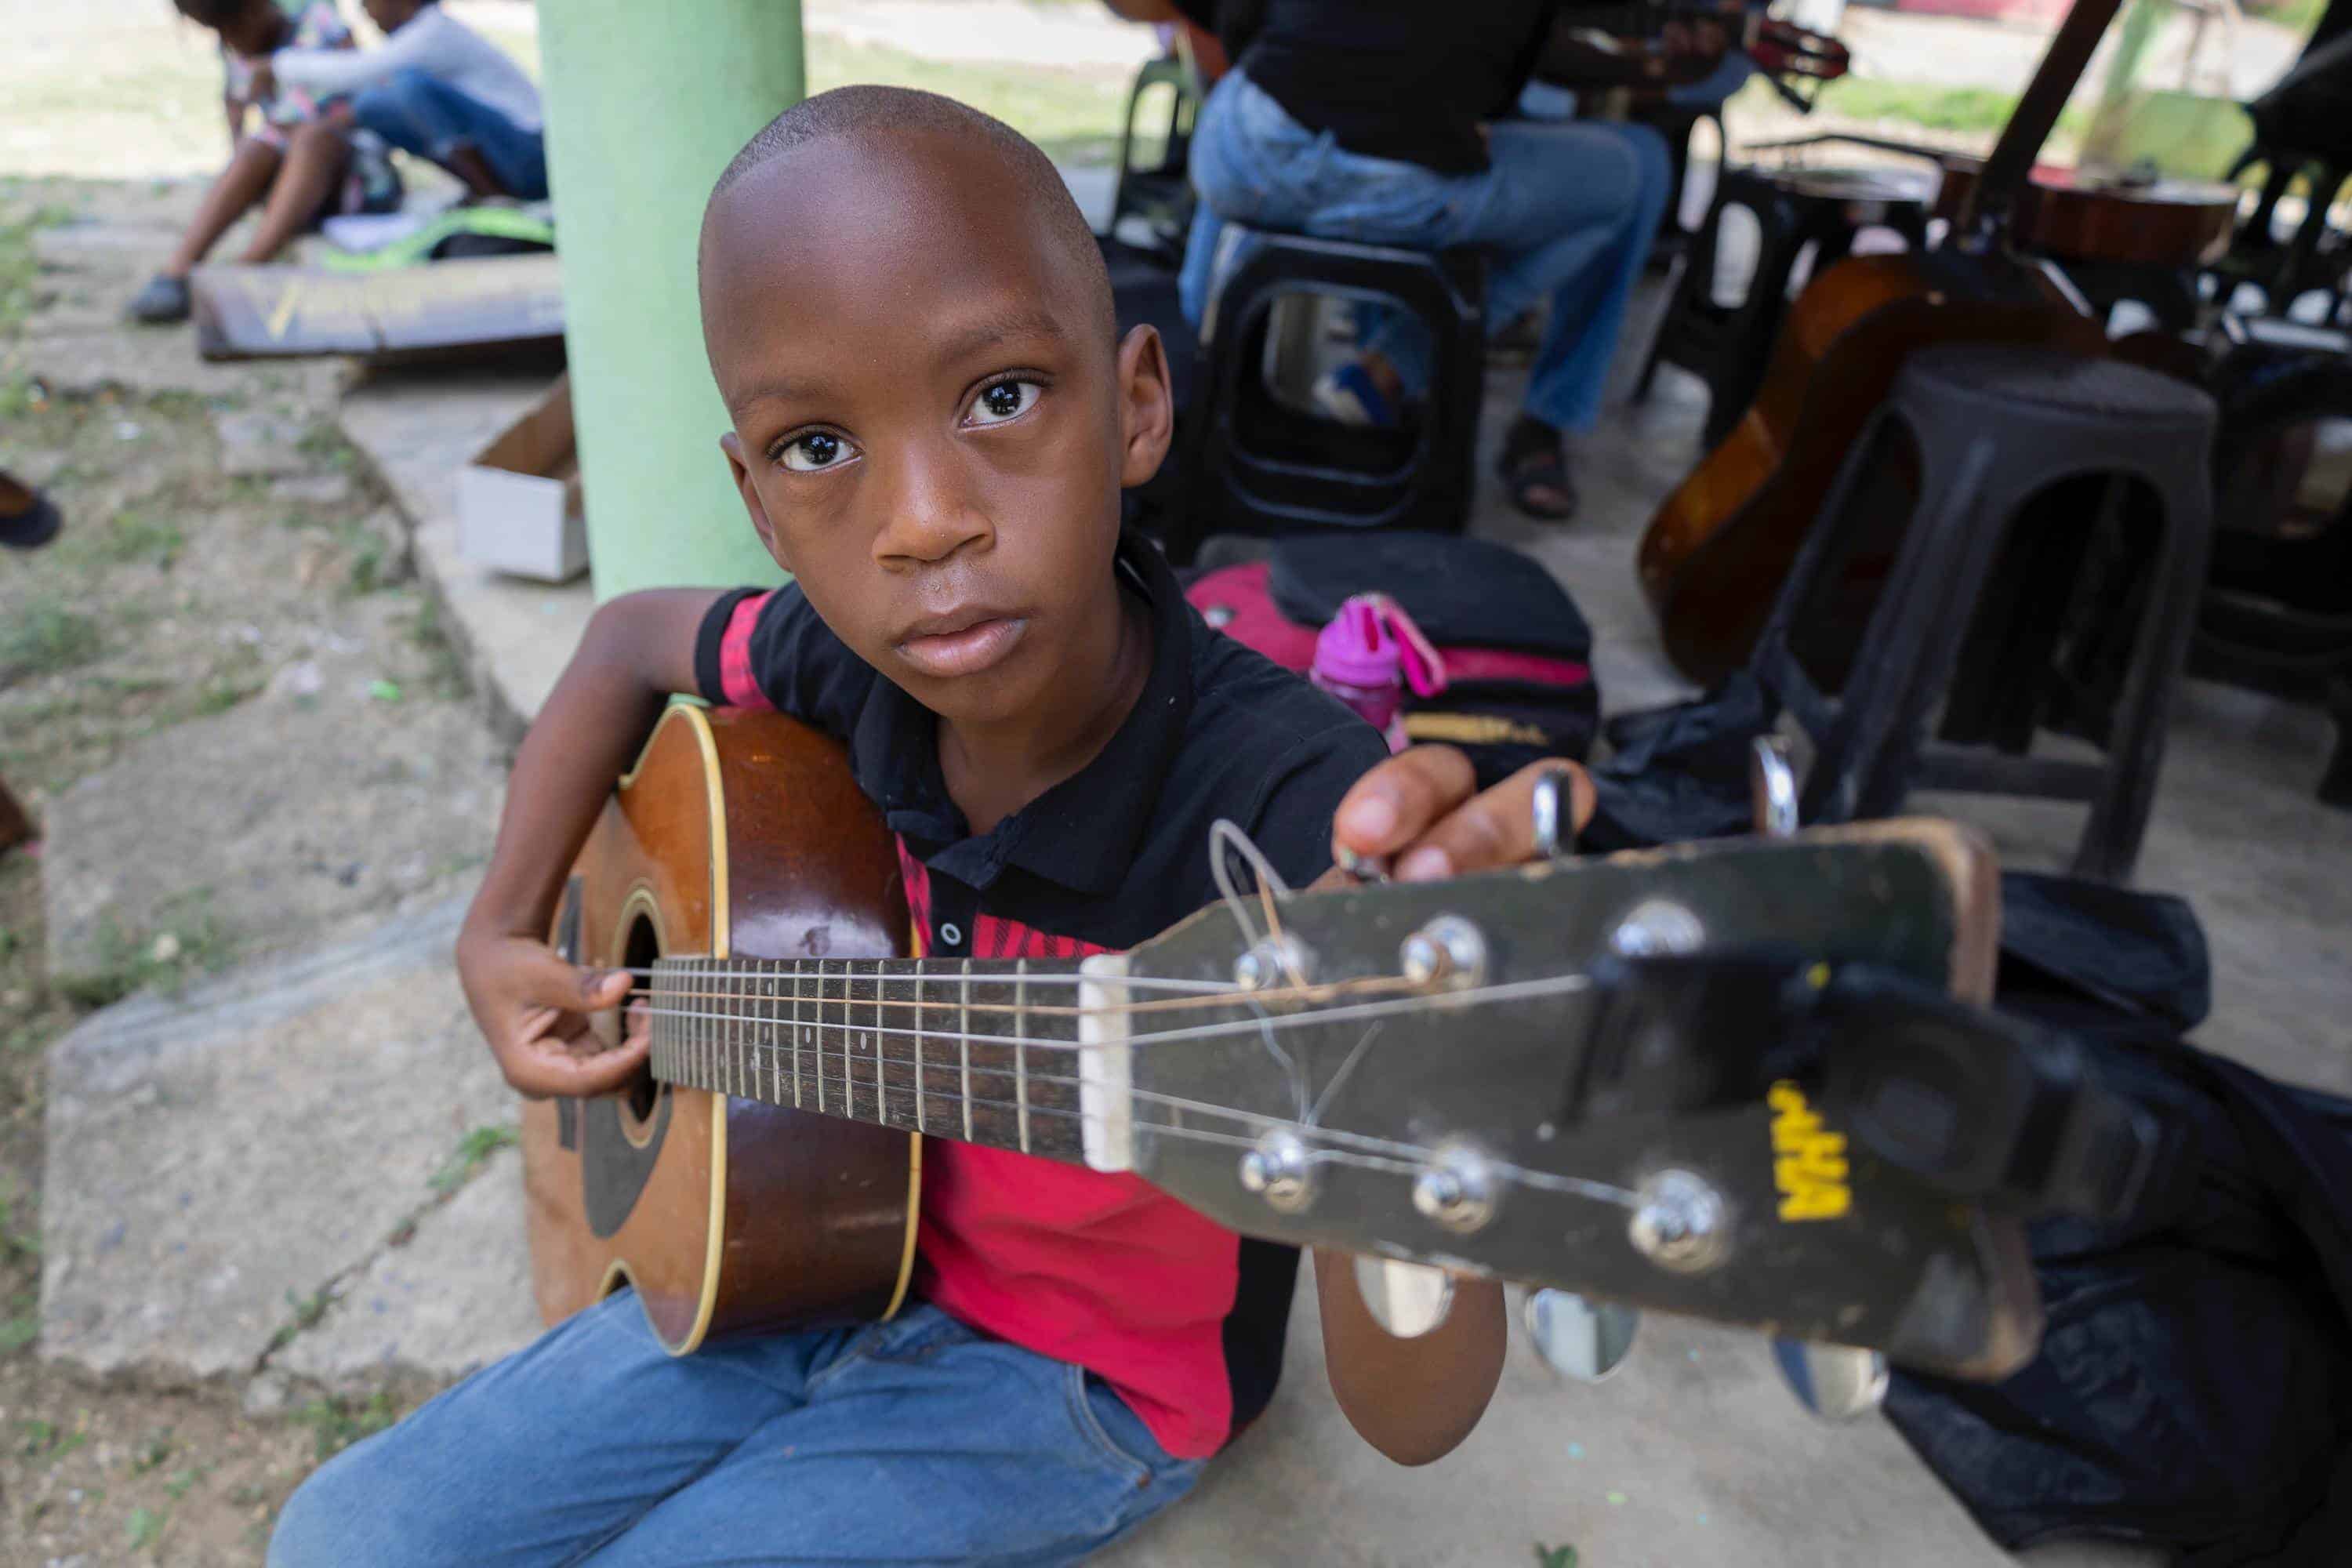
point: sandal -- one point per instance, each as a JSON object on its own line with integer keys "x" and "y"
{"x": 162, "y": 302}
{"x": 28, "y": 518}
{"x": 1534, "y": 469}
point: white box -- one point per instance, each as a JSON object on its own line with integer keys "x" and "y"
{"x": 519, "y": 501}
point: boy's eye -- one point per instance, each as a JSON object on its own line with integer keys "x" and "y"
{"x": 1005, "y": 400}
{"x": 816, "y": 449}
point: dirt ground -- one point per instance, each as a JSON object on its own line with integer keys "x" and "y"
{"x": 174, "y": 591}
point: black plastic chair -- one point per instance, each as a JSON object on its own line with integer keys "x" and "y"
{"x": 1255, "y": 464}
{"x": 1728, "y": 346}
{"x": 1992, "y": 431}
{"x": 1158, "y": 196}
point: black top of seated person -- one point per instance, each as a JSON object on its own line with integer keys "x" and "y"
{"x": 1406, "y": 79}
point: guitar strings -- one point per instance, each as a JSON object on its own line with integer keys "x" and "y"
{"x": 989, "y": 976}
{"x": 854, "y": 1064}
{"x": 1509, "y": 991}
{"x": 1409, "y": 1159}
{"x": 1361, "y": 986}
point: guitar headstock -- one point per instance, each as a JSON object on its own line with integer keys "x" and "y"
{"x": 1605, "y": 1075}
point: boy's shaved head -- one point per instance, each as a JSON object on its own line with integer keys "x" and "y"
{"x": 874, "y": 117}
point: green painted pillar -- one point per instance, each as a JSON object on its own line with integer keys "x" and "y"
{"x": 645, "y": 104}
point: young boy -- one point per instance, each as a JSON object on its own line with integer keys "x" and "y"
{"x": 933, "y": 416}
{"x": 299, "y": 165}
{"x": 434, "y": 89}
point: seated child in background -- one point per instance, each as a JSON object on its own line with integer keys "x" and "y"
{"x": 933, "y": 416}
{"x": 299, "y": 163}
{"x": 436, "y": 88}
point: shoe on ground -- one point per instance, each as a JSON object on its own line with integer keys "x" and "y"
{"x": 28, "y": 518}
{"x": 162, "y": 302}
{"x": 1348, "y": 395}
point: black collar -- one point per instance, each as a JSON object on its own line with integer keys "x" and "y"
{"x": 1086, "y": 831}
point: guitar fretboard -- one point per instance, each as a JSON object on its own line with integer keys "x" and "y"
{"x": 969, "y": 1049}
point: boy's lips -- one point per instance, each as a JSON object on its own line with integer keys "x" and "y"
{"x": 961, "y": 642}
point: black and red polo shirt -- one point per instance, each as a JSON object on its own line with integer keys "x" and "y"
{"x": 1183, "y": 1317}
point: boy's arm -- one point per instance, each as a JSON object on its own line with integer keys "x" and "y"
{"x": 339, "y": 71}
{"x": 531, "y": 1006}
{"x": 1415, "y": 1400}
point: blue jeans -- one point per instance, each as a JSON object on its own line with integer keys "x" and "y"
{"x": 1564, "y": 210}
{"x": 918, "y": 1441}
{"x": 421, "y": 114}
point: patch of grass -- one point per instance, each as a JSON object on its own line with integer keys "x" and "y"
{"x": 20, "y": 1242}
{"x": 1555, "y": 1556}
{"x": 188, "y": 941}
{"x": 340, "y": 1423}
{"x": 45, "y": 640}
{"x": 1932, "y": 106}
{"x": 144, "y": 1528}
{"x": 17, "y": 268}
{"x": 445, "y": 673}
{"x": 1074, "y": 114}
{"x": 307, "y": 1309}
{"x": 182, "y": 1483}
{"x": 132, "y": 538}
{"x": 47, "y": 1440}
{"x": 473, "y": 1151}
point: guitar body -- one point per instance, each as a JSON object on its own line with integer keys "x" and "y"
{"x": 742, "y": 835}
{"x": 1714, "y": 556}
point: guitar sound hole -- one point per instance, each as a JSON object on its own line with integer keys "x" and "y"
{"x": 642, "y": 1094}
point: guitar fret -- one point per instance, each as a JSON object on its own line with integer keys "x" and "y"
{"x": 797, "y": 1032}
{"x": 820, "y": 1037}
{"x": 1020, "y": 1050}
{"x": 963, "y": 1039}
{"x": 922, "y": 1122}
{"x": 881, "y": 1099}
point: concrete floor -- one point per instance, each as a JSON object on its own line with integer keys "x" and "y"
{"x": 1693, "y": 1455}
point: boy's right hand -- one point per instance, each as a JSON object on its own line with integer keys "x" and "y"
{"x": 534, "y": 1008}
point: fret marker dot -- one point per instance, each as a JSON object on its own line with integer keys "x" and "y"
{"x": 950, "y": 934}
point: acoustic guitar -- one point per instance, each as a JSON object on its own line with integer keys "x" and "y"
{"x": 1731, "y": 1079}
{"x": 1715, "y": 553}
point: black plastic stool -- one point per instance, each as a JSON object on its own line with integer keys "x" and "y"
{"x": 1158, "y": 196}
{"x": 1994, "y": 427}
{"x": 1258, "y": 465}
{"x": 1729, "y": 345}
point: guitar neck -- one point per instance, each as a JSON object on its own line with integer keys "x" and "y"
{"x": 1983, "y": 218}
{"x": 982, "y": 1051}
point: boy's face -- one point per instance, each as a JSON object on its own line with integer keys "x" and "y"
{"x": 390, "y": 16}
{"x": 254, "y": 30}
{"x": 931, "y": 420}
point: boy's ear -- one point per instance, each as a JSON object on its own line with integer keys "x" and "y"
{"x": 733, "y": 447}
{"x": 1146, "y": 406}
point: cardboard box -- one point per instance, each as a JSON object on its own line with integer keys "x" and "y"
{"x": 402, "y": 314}
{"x": 519, "y": 501}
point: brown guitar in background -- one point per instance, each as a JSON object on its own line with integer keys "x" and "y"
{"x": 1714, "y": 556}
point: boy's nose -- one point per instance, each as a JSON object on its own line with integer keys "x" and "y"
{"x": 933, "y": 513}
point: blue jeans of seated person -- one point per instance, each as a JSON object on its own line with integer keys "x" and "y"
{"x": 1564, "y": 210}
{"x": 918, "y": 1441}
{"x": 421, "y": 114}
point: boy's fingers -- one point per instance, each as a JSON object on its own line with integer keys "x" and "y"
{"x": 547, "y": 981}
{"x": 543, "y": 1066}
{"x": 1398, "y": 800}
{"x": 1496, "y": 829}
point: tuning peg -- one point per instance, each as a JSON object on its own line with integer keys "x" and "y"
{"x": 1772, "y": 785}
{"x": 1836, "y": 1383}
{"x": 1583, "y": 1339}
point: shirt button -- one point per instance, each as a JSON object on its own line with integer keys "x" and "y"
{"x": 950, "y": 934}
